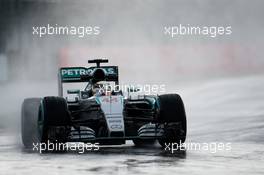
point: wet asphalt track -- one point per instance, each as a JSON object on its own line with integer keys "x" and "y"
{"x": 224, "y": 110}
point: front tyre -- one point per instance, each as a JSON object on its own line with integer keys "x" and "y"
{"x": 54, "y": 120}
{"x": 172, "y": 115}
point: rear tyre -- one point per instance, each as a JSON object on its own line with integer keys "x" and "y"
{"x": 172, "y": 115}
{"x": 29, "y": 120}
{"x": 54, "y": 120}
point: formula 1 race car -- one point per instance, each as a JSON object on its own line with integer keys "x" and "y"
{"x": 97, "y": 115}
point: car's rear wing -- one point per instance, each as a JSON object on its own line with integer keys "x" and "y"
{"x": 82, "y": 74}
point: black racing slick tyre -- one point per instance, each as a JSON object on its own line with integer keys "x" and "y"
{"x": 29, "y": 120}
{"x": 54, "y": 119}
{"x": 172, "y": 115}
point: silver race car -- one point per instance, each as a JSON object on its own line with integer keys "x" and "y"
{"x": 99, "y": 113}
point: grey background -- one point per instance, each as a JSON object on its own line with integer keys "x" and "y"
{"x": 220, "y": 79}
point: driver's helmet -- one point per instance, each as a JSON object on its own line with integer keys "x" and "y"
{"x": 98, "y": 89}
